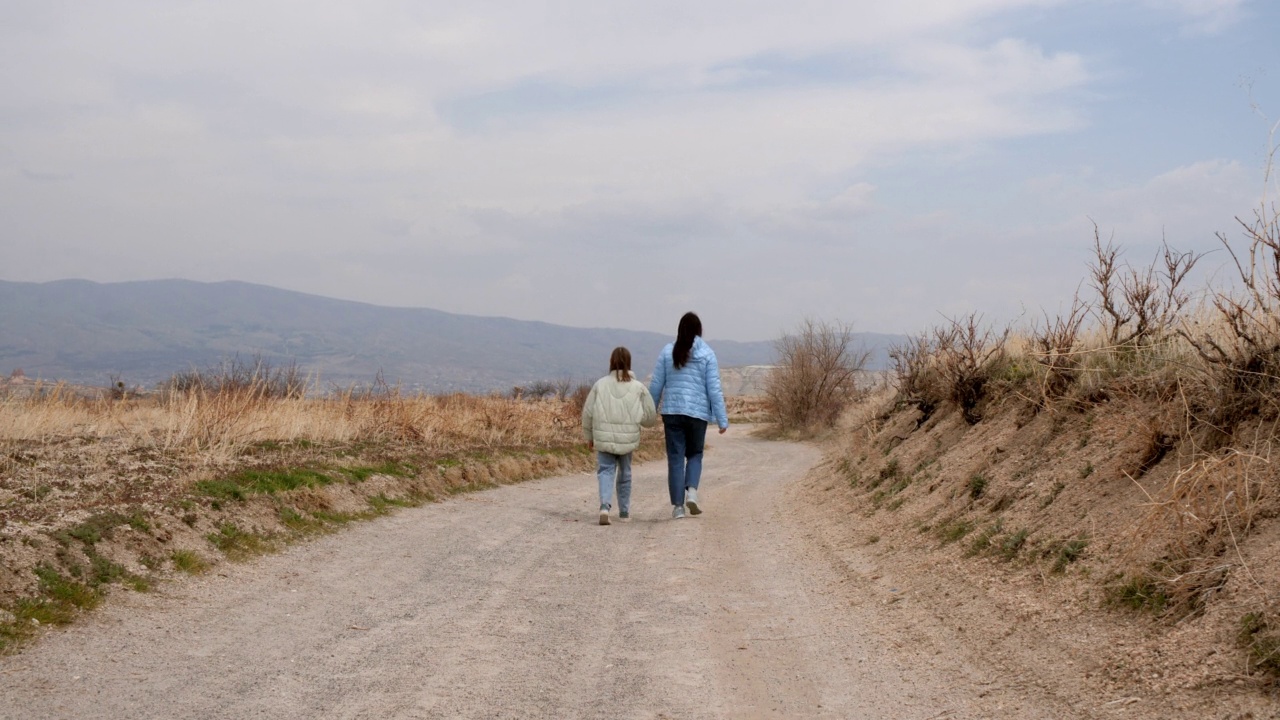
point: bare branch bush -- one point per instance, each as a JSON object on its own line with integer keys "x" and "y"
{"x": 1056, "y": 347}
{"x": 540, "y": 389}
{"x": 911, "y": 362}
{"x": 966, "y": 350}
{"x": 1242, "y": 350}
{"x": 257, "y": 376}
{"x": 815, "y": 376}
{"x": 1138, "y": 306}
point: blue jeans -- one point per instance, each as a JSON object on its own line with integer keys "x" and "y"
{"x": 611, "y": 468}
{"x": 686, "y": 437}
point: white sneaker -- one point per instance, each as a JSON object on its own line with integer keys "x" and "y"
{"x": 677, "y": 512}
{"x": 691, "y": 501}
{"x": 604, "y": 514}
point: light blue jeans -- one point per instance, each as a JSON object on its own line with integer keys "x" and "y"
{"x": 611, "y": 469}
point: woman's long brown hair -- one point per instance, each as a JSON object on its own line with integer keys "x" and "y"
{"x": 690, "y": 328}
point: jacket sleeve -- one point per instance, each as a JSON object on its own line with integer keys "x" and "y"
{"x": 715, "y": 393}
{"x": 659, "y": 380}
{"x": 587, "y": 412}
{"x": 650, "y": 417}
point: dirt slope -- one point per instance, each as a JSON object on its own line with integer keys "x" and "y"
{"x": 514, "y": 603}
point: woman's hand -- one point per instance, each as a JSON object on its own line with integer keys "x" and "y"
{"x": 723, "y": 430}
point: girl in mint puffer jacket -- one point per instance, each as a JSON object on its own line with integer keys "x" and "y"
{"x": 612, "y": 416}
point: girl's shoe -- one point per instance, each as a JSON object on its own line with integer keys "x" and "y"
{"x": 677, "y": 513}
{"x": 691, "y": 501}
{"x": 624, "y": 516}
{"x": 604, "y": 514}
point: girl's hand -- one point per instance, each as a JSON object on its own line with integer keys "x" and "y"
{"x": 723, "y": 430}
{"x": 591, "y": 444}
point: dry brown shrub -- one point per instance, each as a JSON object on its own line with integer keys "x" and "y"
{"x": 965, "y": 351}
{"x": 912, "y": 362}
{"x": 1138, "y": 306}
{"x": 1197, "y": 522}
{"x": 1056, "y": 348}
{"x": 577, "y": 399}
{"x": 815, "y": 376}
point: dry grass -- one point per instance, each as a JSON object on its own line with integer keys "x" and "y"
{"x": 220, "y": 424}
{"x": 1196, "y": 523}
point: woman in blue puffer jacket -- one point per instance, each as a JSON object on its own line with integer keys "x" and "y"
{"x": 686, "y": 389}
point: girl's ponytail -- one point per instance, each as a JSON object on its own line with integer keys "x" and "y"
{"x": 690, "y": 328}
{"x": 620, "y": 364}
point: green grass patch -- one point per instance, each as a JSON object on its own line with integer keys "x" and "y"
{"x": 1012, "y": 545}
{"x": 899, "y": 484}
{"x": 982, "y": 541}
{"x": 301, "y": 523}
{"x": 138, "y": 583}
{"x": 104, "y": 571}
{"x": 382, "y": 504}
{"x": 100, "y": 526}
{"x": 237, "y": 544}
{"x": 240, "y": 485}
{"x": 845, "y": 467}
{"x": 977, "y": 486}
{"x": 1140, "y": 592}
{"x": 12, "y": 634}
{"x": 340, "y": 518}
{"x": 890, "y": 472}
{"x": 359, "y": 474}
{"x": 66, "y": 593}
{"x": 189, "y": 562}
{"x": 954, "y": 531}
{"x": 1068, "y": 552}
{"x": 1261, "y": 641}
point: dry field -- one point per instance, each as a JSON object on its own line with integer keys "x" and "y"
{"x": 101, "y": 494}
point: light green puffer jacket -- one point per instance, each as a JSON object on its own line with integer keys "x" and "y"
{"x": 614, "y": 412}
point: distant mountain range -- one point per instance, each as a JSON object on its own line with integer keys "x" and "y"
{"x": 144, "y": 332}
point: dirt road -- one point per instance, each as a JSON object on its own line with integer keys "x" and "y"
{"x": 514, "y": 603}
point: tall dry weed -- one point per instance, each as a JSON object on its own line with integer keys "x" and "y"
{"x": 1198, "y": 520}
{"x": 219, "y": 424}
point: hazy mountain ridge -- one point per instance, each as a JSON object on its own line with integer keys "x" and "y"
{"x": 85, "y": 332}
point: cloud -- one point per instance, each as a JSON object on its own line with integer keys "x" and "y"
{"x": 36, "y": 176}
{"x": 1202, "y": 16}
{"x": 500, "y": 157}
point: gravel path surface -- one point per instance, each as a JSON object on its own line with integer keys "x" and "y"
{"x": 514, "y": 603}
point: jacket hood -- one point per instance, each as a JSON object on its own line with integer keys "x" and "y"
{"x": 700, "y": 348}
{"x": 615, "y": 388}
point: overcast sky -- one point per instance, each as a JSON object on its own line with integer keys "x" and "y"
{"x": 615, "y": 163}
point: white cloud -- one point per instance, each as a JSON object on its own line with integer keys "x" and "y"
{"x": 478, "y": 156}
{"x": 1202, "y": 16}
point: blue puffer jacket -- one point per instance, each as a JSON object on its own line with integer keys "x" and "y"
{"x": 693, "y": 390}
